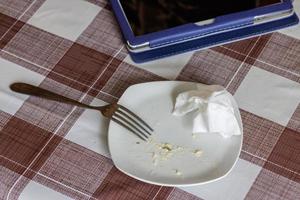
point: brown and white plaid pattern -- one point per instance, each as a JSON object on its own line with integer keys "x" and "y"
{"x": 37, "y": 159}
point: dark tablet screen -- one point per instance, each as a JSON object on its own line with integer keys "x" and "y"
{"x": 147, "y": 16}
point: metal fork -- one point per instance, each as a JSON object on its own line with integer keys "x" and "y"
{"x": 117, "y": 113}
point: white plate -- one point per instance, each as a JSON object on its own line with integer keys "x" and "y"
{"x": 154, "y": 103}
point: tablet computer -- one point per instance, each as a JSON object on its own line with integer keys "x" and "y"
{"x": 150, "y": 24}
{"x": 149, "y": 16}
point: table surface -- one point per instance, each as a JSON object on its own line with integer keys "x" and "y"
{"x": 55, "y": 151}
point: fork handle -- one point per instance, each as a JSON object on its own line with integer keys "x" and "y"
{"x": 28, "y": 89}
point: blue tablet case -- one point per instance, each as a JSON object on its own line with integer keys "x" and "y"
{"x": 190, "y": 37}
{"x": 213, "y": 40}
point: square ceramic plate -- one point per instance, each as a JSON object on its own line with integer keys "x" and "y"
{"x": 148, "y": 161}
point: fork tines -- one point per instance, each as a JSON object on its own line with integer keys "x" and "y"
{"x": 132, "y": 122}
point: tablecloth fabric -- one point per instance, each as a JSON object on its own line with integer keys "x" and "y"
{"x": 74, "y": 47}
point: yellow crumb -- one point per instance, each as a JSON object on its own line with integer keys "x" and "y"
{"x": 177, "y": 172}
{"x": 198, "y": 152}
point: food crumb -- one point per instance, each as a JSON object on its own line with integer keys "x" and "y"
{"x": 137, "y": 142}
{"x": 167, "y": 147}
{"x": 198, "y": 152}
{"x": 177, "y": 172}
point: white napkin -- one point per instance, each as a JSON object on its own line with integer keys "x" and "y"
{"x": 214, "y": 108}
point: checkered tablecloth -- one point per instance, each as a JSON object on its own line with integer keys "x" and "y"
{"x": 74, "y": 47}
